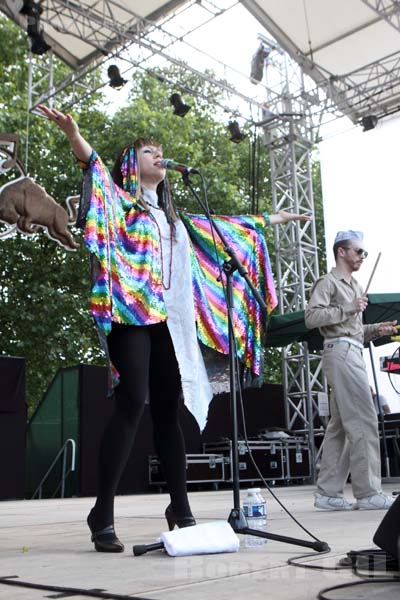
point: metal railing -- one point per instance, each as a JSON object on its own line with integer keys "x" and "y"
{"x": 64, "y": 474}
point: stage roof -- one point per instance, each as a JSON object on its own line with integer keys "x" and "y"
{"x": 81, "y": 32}
{"x": 350, "y": 47}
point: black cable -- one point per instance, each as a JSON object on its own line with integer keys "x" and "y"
{"x": 258, "y": 175}
{"x": 375, "y": 559}
{"x": 321, "y": 594}
{"x": 68, "y": 590}
{"x": 291, "y": 562}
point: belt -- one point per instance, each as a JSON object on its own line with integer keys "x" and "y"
{"x": 345, "y": 339}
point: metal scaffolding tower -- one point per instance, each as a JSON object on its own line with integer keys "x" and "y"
{"x": 290, "y": 129}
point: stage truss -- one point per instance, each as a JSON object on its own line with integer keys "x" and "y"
{"x": 290, "y": 132}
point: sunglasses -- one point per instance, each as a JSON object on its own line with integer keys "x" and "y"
{"x": 358, "y": 251}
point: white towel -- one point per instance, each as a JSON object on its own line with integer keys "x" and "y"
{"x": 208, "y": 538}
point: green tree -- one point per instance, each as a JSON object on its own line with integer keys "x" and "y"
{"x": 43, "y": 288}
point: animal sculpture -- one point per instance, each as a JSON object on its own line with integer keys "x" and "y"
{"x": 26, "y": 206}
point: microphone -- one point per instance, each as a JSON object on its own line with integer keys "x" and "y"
{"x": 167, "y": 163}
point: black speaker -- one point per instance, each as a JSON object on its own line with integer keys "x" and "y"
{"x": 387, "y": 536}
{"x": 12, "y": 427}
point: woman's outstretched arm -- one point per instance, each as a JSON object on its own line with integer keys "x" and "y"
{"x": 284, "y": 216}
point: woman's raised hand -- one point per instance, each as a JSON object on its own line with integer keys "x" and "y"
{"x": 65, "y": 122}
{"x": 69, "y": 126}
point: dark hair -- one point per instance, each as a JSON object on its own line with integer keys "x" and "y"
{"x": 165, "y": 198}
{"x": 341, "y": 244}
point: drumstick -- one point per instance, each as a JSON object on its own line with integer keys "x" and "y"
{"x": 372, "y": 274}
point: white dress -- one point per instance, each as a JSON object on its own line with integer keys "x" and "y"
{"x": 181, "y": 319}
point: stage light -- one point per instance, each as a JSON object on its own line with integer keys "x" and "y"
{"x": 369, "y": 122}
{"x": 27, "y": 7}
{"x": 38, "y": 44}
{"x": 180, "y": 108}
{"x": 116, "y": 81}
{"x": 237, "y": 136}
{"x": 33, "y": 10}
{"x": 258, "y": 62}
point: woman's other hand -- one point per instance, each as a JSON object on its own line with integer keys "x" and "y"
{"x": 289, "y": 216}
{"x": 284, "y": 216}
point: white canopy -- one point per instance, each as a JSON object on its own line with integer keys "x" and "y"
{"x": 351, "y": 47}
{"x": 81, "y": 32}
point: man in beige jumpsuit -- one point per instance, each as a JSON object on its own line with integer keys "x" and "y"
{"x": 351, "y": 442}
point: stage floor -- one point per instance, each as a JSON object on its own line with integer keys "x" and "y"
{"x": 47, "y": 542}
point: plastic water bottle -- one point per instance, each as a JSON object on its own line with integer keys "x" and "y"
{"x": 255, "y": 511}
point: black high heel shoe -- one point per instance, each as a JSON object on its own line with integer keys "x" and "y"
{"x": 172, "y": 520}
{"x": 105, "y": 540}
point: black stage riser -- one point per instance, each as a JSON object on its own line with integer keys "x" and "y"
{"x": 78, "y": 408}
{"x": 12, "y": 427}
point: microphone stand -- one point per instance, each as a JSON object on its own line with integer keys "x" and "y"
{"x": 237, "y": 519}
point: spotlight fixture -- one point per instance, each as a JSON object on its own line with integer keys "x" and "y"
{"x": 258, "y": 62}
{"x": 33, "y": 10}
{"x": 237, "y": 136}
{"x": 180, "y": 108}
{"x": 116, "y": 81}
{"x": 27, "y": 7}
{"x": 369, "y": 122}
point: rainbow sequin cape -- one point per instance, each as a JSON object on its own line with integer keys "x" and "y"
{"x": 246, "y": 235}
{"x": 122, "y": 238}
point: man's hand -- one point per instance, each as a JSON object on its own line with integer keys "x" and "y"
{"x": 361, "y": 304}
{"x": 387, "y": 328}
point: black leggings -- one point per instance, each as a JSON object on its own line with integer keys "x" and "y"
{"x": 145, "y": 359}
